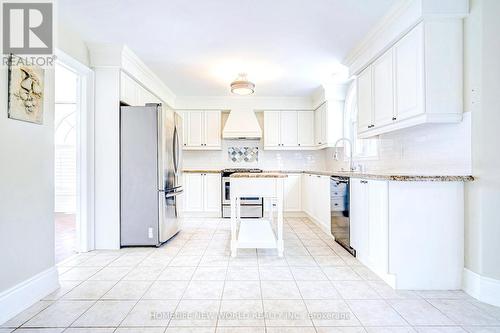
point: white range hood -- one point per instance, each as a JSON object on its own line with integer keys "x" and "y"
{"x": 242, "y": 124}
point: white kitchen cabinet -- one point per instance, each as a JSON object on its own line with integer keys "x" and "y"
{"x": 202, "y": 130}
{"x": 365, "y": 100}
{"x": 289, "y": 128}
{"x": 212, "y": 192}
{"x": 405, "y": 243}
{"x": 292, "y": 196}
{"x": 212, "y": 129}
{"x": 195, "y": 127}
{"x": 320, "y": 123}
{"x": 369, "y": 223}
{"x": 305, "y": 136}
{"x": 202, "y": 193}
{"x": 383, "y": 90}
{"x": 328, "y": 123}
{"x": 193, "y": 192}
{"x": 409, "y": 73}
{"x": 418, "y": 80}
{"x": 358, "y": 216}
{"x": 272, "y": 127}
{"x": 128, "y": 90}
{"x": 316, "y": 199}
{"x": 134, "y": 94}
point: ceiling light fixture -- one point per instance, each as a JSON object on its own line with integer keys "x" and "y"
{"x": 241, "y": 86}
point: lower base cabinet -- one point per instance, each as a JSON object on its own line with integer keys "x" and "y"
{"x": 292, "y": 201}
{"x": 411, "y": 234}
{"x": 316, "y": 199}
{"x": 202, "y": 193}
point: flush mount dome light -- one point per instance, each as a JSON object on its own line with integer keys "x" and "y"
{"x": 241, "y": 86}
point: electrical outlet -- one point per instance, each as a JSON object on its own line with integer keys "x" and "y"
{"x": 150, "y": 232}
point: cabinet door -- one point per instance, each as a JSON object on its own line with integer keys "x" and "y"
{"x": 212, "y": 192}
{"x": 272, "y": 129}
{"x": 365, "y": 100}
{"x": 383, "y": 92}
{"x": 358, "y": 216}
{"x": 306, "y": 193}
{"x": 193, "y": 192}
{"x": 378, "y": 226}
{"x": 289, "y": 128}
{"x": 305, "y": 126}
{"x": 319, "y": 125}
{"x": 185, "y": 126}
{"x": 195, "y": 124}
{"x": 323, "y": 198}
{"x": 292, "y": 196}
{"x": 212, "y": 125}
{"x": 409, "y": 73}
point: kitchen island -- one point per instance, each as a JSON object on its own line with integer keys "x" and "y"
{"x": 257, "y": 233}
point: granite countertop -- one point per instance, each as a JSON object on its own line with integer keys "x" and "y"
{"x": 259, "y": 175}
{"x": 395, "y": 177}
{"x": 374, "y": 176}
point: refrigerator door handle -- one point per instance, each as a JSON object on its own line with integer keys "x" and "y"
{"x": 176, "y": 151}
{"x": 173, "y": 193}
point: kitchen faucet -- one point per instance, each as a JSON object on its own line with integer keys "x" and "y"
{"x": 336, "y": 154}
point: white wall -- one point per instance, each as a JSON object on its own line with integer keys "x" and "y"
{"x": 482, "y": 69}
{"x": 268, "y": 160}
{"x": 26, "y": 191}
{"x": 72, "y": 44}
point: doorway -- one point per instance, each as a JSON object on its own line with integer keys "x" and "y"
{"x": 73, "y": 158}
{"x": 65, "y": 151}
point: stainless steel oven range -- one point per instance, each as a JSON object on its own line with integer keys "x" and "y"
{"x": 250, "y": 207}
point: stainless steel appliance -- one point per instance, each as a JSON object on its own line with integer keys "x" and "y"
{"x": 250, "y": 207}
{"x": 150, "y": 174}
{"x": 339, "y": 203}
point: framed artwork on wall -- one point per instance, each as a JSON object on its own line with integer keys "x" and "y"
{"x": 26, "y": 92}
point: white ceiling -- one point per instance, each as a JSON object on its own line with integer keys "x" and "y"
{"x": 287, "y": 47}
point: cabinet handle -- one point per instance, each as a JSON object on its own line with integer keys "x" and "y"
{"x": 363, "y": 182}
{"x": 299, "y": 144}
{"x": 370, "y": 126}
{"x": 394, "y": 118}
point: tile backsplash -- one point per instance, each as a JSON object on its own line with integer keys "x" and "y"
{"x": 243, "y": 154}
{"x": 266, "y": 159}
{"x": 428, "y": 149}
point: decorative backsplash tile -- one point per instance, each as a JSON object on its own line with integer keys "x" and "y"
{"x": 243, "y": 154}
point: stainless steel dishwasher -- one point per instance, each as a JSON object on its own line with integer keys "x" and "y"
{"x": 339, "y": 203}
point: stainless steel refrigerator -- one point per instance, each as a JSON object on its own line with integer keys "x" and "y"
{"x": 150, "y": 174}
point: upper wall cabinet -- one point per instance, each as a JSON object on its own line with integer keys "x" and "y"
{"x": 202, "y": 130}
{"x": 328, "y": 123}
{"x": 416, "y": 81}
{"x": 133, "y": 93}
{"x": 288, "y": 130}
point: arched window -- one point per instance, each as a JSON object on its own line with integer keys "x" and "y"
{"x": 362, "y": 148}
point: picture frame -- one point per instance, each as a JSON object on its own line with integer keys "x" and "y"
{"x": 26, "y": 96}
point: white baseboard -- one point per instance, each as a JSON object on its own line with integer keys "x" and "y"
{"x": 321, "y": 226}
{"x": 481, "y": 287}
{"x": 294, "y": 214}
{"x": 23, "y": 295}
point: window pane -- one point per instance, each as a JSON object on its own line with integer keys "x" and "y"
{"x": 66, "y": 83}
{"x": 64, "y": 124}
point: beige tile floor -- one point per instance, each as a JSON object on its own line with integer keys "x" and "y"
{"x": 191, "y": 284}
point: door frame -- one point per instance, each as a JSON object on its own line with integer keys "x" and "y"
{"x": 85, "y": 227}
